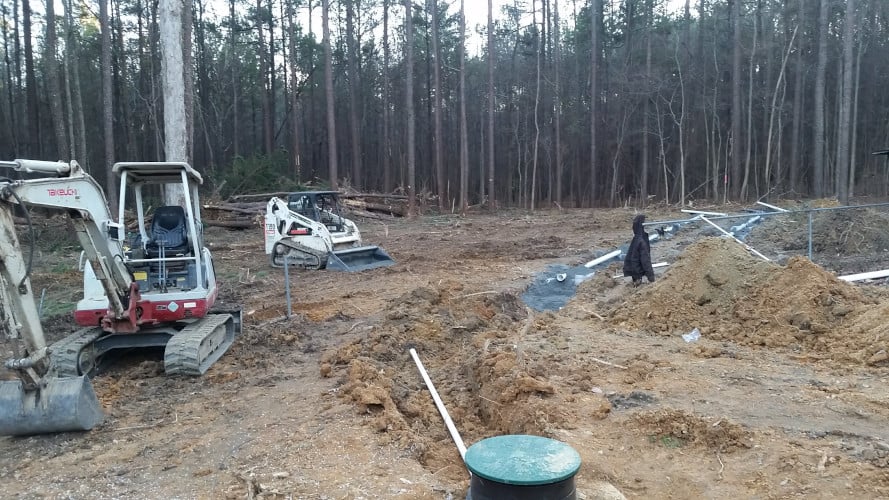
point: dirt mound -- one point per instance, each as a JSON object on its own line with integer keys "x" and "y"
{"x": 468, "y": 344}
{"x": 676, "y": 428}
{"x": 728, "y": 294}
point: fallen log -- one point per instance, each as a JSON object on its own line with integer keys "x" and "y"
{"x": 260, "y": 196}
{"x": 398, "y": 210}
{"x": 237, "y": 209}
{"x": 231, "y": 224}
{"x": 374, "y": 196}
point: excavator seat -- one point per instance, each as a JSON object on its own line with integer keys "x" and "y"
{"x": 169, "y": 233}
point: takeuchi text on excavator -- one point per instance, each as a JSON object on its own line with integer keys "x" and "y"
{"x": 310, "y": 232}
{"x": 157, "y": 288}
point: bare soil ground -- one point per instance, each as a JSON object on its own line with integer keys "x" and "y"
{"x": 784, "y": 395}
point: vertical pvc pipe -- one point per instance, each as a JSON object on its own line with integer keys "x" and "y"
{"x": 287, "y": 285}
{"x": 810, "y": 235}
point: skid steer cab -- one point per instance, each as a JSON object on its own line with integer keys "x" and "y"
{"x": 308, "y": 231}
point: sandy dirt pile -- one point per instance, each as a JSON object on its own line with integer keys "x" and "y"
{"x": 729, "y": 294}
{"x": 471, "y": 347}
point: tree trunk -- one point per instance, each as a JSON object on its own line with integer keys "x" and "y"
{"x": 854, "y": 139}
{"x": 173, "y": 82}
{"x": 10, "y": 70}
{"x": 295, "y": 150}
{"x": 736, "y": 99}
{"x": 328, "y": 90}
{"x": 123, "y": 111}
{"x": 409, "y": 106}
{"x": 796, "y": 149}
{"x": 594, "y": 96}
{"x": 844, "y": 159}
{"x": 557, "y": 107}
{"x": 107, "y": 105}
{"x": 69, "y": 105}
{"x": 491, "y": 198}
{"x": 354, "y": 83}
{"x": 387, "y": 148}
{"x": 646, "y": 153}
{"x": 236, "y": 125}
{"x": 187, "y": 78}
{"x": 818, "y": 146}
{"x": 78, "y": 126}
{"x": 438, "y": 110}
{"x": 464, "y": 134}
{"x": 271, "y": 78}
{"x": 34, "y": 147}
{"x": 54, "y": 88}
{"x": 265, "y": 102}
{"x": 533, "y": 194}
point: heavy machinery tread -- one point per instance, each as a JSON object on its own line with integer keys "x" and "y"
{"x": 200, "y": 344}
{"x": 320, "y": 257}
{"x": 68, "y": 354}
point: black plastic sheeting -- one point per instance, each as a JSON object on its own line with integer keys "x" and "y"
{"x": 548, "y": 293}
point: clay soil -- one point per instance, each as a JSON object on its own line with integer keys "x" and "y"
{"x": 785, "y": 394}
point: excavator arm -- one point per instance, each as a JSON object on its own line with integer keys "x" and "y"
{"x": 39, "y": 401}
{"x": 78, "y": 194}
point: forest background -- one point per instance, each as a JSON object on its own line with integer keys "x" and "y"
{"x": 573, "y": 103}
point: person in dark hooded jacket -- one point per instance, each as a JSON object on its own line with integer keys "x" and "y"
{"x": 637, "y": 263}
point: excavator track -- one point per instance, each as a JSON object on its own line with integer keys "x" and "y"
{"x": 200, "y": 344}
{"x": 298, "y": 256}
{"x": 75, "y": 354}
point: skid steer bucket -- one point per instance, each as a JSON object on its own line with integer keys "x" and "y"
{"x": 62, "y": 405}
{"x": 358, "y": 259}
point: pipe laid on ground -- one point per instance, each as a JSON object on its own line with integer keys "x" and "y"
{"x": 865, "y": 276}
{"x": 773, "y": 207}
{"x": 730, "y": 235}
{"x": 605, "y": 258}
{"x": 455, "y": 435}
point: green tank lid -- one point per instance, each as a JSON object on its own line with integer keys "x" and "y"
{"x": 522, "y": 460}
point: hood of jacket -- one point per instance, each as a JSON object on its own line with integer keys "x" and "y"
{"x": 637, "y": 225}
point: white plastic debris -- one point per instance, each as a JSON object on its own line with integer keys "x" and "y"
{"x": 580, "y": 278}
{"x": 692, "y": 335}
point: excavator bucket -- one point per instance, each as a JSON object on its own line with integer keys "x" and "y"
{"x": 358, "y": 259}
{"x": 62, "y": 405}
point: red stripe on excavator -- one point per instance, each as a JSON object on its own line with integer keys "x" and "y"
{"x": 151, "y": 314}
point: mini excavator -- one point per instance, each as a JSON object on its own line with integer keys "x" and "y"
{"x": 157, "y": 289}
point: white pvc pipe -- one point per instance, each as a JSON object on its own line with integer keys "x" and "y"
{"x": 750, "y": 222}
{"x": 441, "y": 407}
{"x": 701, "y": 212}
{"x": 730, "y": 235}
{"x": 865, "y": 276}
{"x": 773, "y": 207}
{"x": 604, "y": 258}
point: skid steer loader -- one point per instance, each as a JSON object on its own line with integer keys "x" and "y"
{"x": 309, "y": 231}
